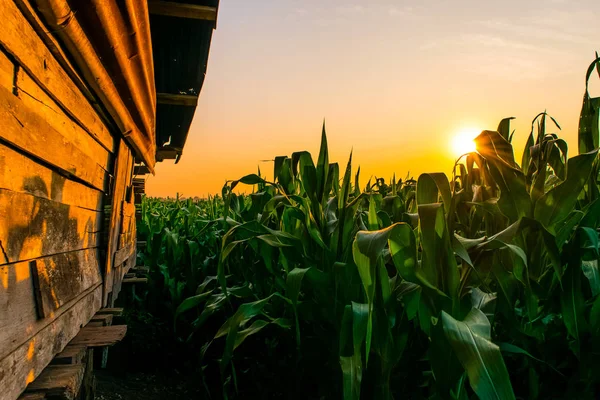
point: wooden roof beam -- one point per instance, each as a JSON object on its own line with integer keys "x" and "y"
{"x": 188, "y": 100}
{"x": 182, "y": 10}
{"x": 167, "y": 153}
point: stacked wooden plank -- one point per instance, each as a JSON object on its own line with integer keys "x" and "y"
{"x": 71, "y": 373}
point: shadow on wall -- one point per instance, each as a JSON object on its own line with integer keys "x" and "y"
{"x": 49, "y": 256}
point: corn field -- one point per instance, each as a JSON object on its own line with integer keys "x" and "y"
{"x": 480, "y": 284}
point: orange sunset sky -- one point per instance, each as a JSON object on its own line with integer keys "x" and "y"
{"x": 396, "y": 81}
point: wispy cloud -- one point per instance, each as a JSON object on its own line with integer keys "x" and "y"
{"x": 350, "y": 9}
{"x": 400, "y": 11}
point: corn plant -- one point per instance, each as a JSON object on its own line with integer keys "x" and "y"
{"x": 483, "y": 285}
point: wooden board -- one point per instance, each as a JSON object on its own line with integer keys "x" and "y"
{"x": 62, "y": 277}
{"x": 32, "y": 227}
{"x": 38, "y": 101}
{"x": 185, "y": 100}
{"x": 141, "y": 270}
{"x": 124, "y": 254}
{"x": 70, "y": 355}
{"x": 112, "y": 311}
{"x": 32, "y": 396}
{"x": 28, "y": 11}
{"x": 123, "y": 171}
{"x": 182, "y": 10}
{"x": 35, "y": 57}
{"x": 59, "y": 381}
{"x": 41, "y": 340}
{"x": 19, "y": 173}
{"x": 7, "y": 72}
{"x": 134, "y": 280}
{"x": 103, "y": 319}
{"x": 88, "y": 387}
{"x": 100, "y": 336}
{"x": 33, "y": 135}
{"x": 19, "y": 304}
{"x": 127, "y": 238}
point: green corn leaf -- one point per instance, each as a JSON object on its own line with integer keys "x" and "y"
{"x": 556, "y": 205}
{"x": 251, "y": 179}
{"x": 367, "y": 251}
{"x": 403, "y": 249}
{"x": 438, "y": 264}
{"x": 514, "y": 201}
{"x": 322, "y": 167}
{"x": 573, "y": 303}
{"x": 592, "y": 273}
{"x": 595, "y": 318}
{"x": 481, "y": 359}
{"x": 191, "y": 303}
{"x": 429, "y": 186}
{"x": 504, "y": 128}
{"x": 372, "y": 217}
{"x": 589, "y": 119}
{"x": 256, "y": 327}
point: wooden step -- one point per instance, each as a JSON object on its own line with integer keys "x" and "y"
{"x": 100, "y": 336}
{"x": 117, "y": 312}
{"x": 32, "y": 396}
{"x": 141, "y": 269}
{"x": 129, "y": 275}
{"x": 70, "y": 355}
{"x": 103, "y": 319}
{"x": 60, "y": 382}
{"x": 141, "y": 244}
{"x": 134, "y": 280}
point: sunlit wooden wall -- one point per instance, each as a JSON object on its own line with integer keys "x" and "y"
{"x": 67, "y": 219}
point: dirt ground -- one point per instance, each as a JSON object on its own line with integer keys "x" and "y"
{"x": 140, "y": 386}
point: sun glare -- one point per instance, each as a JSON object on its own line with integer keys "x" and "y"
{"x": 464, "y": 141}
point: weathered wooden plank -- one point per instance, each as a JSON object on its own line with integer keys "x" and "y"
{"x": 167, "y": 153}
{"x": 62, "y": 58}
{"x": 122, "y": 172}
{"x": 33, "y": 135}
{"x": 20, "y": 300}
{"x": 18, "y": 38}
{"x": 71, "y": 354}
{"x": 117, "y": 278}
{"x": 141, "y": 170}
{"x": 186, "y": 100}
{"x": 63, "y": 277}
{"x": 127, "y": 236}
{"x": 134, "y": 280}
{"x": 112, "y": 311}
{"x": 33, "y": 227}
{"x": 7, "y": 72}
{"x": 40, "y": 340}
{"x": 88, "y": 387}
{"x": 100, "y": 336}
{"x": 59, "y": 381}
{"x": 126, "y": 239}
{"x": 128, "y": 209}
{"x": 32, "y": 396}
{"x": 104, "y": 319}
{"x": 123, "y": 254}
{"x": 142, "y": 269}
{"x": 38, "y": 101}
{"x": 182, "y": 10}
{"x": 19, "y": 173}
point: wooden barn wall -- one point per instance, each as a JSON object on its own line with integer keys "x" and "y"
{"x": 60, "y": 168}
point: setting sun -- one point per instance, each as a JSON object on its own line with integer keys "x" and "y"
{"x": 464, "y": 141}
